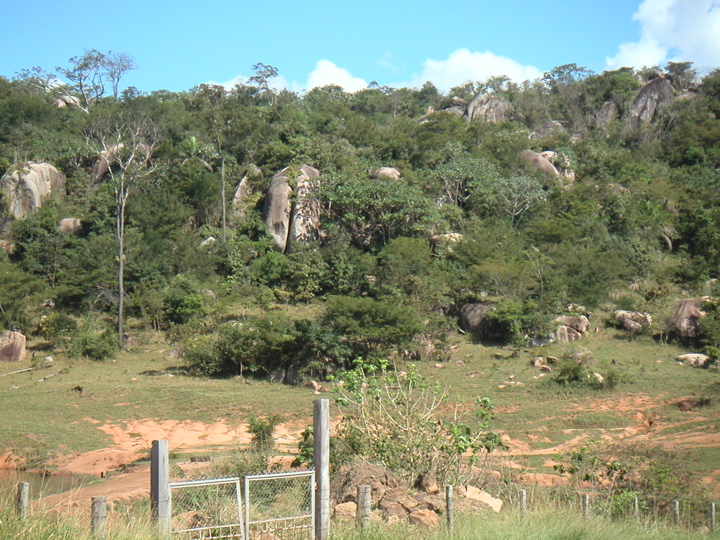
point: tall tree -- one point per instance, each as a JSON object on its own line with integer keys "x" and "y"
{"x": 126, "y": 146}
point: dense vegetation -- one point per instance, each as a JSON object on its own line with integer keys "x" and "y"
{"x": 637, "y": 228}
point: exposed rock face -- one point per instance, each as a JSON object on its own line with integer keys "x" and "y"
{"x": 540, "y": 162}
{"x": 697, "y": 360}
{"x": 686, "y": 318}
{"x": 654, "y": 94}
{"x": 607, "y": 113}
{"x": 71, "y": 226}
{"x": 565, "y": 334}
{"x": 276, "y": 211}
{"x": 472, "y": 319}
{"x": 388, "y": 172}
{"x": 578, "y": 323}
{"x": 26, "y": 187}
{"x": 12, "y": 346}
{"x": 633, "y": 321}
{"x": 424, "y": 518}
{"x": 243, "y": 190}
{"x": 551, "y": 127}
{"x": 379, "y": 479}
{"x": 442, "y": 244}
{"x": 65, "y": 101}
{"x": 488, "y": 107}
{"x": 305, "y": 216}
{"x": 287, "y": 221}
{"x": 476, "y": 494}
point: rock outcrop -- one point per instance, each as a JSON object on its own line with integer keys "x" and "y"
{"x": 633, "y": 321}
{"x": 686, "y": 318}
{"x": 244, "y": 190}
{"x": 25, "y": 187}
{"x": 12, "y": 346}
{"x": 71, "y": 226}
{"x": 473, "y": 319}
{"x": 387, "y": 172}
{"x": 656, "y": 93}
{"x": 540, "y": 162}
{"x": 292, "y": 218}
{"x": 488, "y": 107}
{"x": 607, "y": 114}
{"x": 697, "y": 360}
{"x": 551, "y": 127}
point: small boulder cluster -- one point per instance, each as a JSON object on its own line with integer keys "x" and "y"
{"x": 394, "y": 502}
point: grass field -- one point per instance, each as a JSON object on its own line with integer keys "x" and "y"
{"x": 59, "y": 410}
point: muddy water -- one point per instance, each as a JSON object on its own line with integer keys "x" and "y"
{"x": 42, "y": 485}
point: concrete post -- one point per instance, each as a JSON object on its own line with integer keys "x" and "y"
{"x": 160, "y": 486}
{"x": 321, "y": 461}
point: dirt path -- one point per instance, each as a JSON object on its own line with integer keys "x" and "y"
{"x": 133, "y": 441}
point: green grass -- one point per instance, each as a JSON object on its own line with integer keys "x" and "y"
{"x": 554, "y": 524}
{"x": 53, "y": 417}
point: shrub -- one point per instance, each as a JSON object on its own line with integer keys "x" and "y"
{"x": 182, "y": 301}
{"x": 93, "y": 340}
{"x": 396, "y": 419}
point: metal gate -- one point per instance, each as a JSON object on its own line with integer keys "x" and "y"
{"x": 207, "y": 509}
{"x": 280, "y": 506}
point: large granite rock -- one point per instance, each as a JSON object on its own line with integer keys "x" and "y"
{"x": 540, "y": 162}
{"x": 12, "y": 346}
{"x": 607, "y": 114}
{"x": 656, "y": 93}
{"x": 686, "y": 318}
{"x": 25, "y": 187}
{"x": 489, "y": 108}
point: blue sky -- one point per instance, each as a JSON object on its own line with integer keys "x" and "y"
{"x": 180, "y": 44}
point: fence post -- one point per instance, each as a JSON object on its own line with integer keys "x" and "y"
{"x": 363, "y": 507}
{"x": 636, "y": 508}
{"x": 676, "y": 512}
{"x": 321, "y": 462}
{"x": 449, "y": 507}
{"x": 99, "y": 516}
{"x": 712, "y": 517}
{"x": 23, "y": 496}
{"x": 586, "y": 505}
{"x": 160, "y": 486}
{"x": 523, "y": 501}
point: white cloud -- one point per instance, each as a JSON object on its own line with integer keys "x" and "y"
{"x": 464, "y": 66}
{"x": 327, "y": 73}
{"x": 675, "y": 30}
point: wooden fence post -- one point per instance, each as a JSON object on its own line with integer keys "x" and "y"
{"x": 321, "y": 462}
{"x": 99, "y": 516}
{"x": 23, "y": 498}
{"x": 676, "y": 512}
{"x": 523, "y": 501}
{"x": 712, "y": 517}
{"x": 586, "y": 505}
{"x": 160, "y": 486}
{"x": 363, "y": 507}
{"x": 449, "y": 507}
{"x": 636, "y": 508}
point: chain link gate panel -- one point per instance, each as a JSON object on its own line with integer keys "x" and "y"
{"x": 207, "y": 509}
{"x": 281, "y": 506}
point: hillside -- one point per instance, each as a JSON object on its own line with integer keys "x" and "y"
{"x": 182, "y": 255}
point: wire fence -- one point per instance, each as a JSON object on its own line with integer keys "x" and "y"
{"x": 682, "y": 513}
{"x": 280, "y": 506}
{"x": 207, "y": 509}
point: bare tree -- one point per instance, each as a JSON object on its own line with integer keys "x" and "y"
{"x": 116, "y": 66}
{"x": 127, "y": 147}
